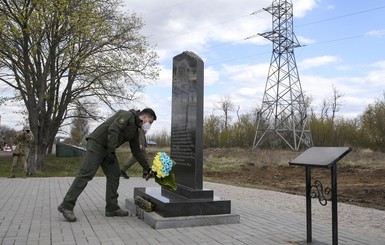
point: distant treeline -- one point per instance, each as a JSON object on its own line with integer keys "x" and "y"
{"x": 364, "y": 131}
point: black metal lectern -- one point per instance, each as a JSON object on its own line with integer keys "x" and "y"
{"x": 321, "y": 157}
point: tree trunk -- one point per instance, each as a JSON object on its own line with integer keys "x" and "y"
{"x": 32, "y": 159}
{"x": 40, "y": 158}
{"x": 41, "y": 148}
{"x": 42, "y": 145}
{"x": 50, "y": 147}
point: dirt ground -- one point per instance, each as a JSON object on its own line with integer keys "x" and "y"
{"x": 358, "y": 182}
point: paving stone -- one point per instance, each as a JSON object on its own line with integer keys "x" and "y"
{"x": 28, "y": 215}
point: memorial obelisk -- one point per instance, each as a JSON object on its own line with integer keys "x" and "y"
{"x": 190, "y": 199}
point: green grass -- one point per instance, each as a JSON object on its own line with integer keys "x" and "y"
{"x": 222, "y": 160}
{"x": 213, "y": 164}
{"x": 63, "y": 166}
{"x": 5, "y": 166}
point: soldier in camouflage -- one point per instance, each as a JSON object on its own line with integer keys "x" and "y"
{"x": 23, "y": 139}
{"x": 101, "y": 146}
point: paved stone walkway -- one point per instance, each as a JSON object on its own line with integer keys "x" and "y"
{"x": 28, "y": 215}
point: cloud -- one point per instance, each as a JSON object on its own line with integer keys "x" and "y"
{"x": 211, "y": 76}
{"x": 376, "y": 76}
{"x": 165, "y": 78}
{"x": 380, "y": 64}
{"x": 174, "y": 26}
{"x": 317, "y": 61}
{"x": 301, "y": 7}
{"x": 305, "y": 41}
{"x": 376, "y": 33}
{"x": 358, "y": 91}
{"x": 246, "y": 73}
{"x": 10, "y": 115}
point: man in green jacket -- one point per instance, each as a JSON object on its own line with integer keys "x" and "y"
{"x": 101, "y": 146}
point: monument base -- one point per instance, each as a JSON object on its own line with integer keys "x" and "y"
{"x": 172, "y": 210}
{"x": 156, "y": 221}
{"x": 170, "y": 204}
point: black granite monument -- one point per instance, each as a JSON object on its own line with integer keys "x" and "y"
{"x": 187, "y": 125}
{"x": 186, "y": 148}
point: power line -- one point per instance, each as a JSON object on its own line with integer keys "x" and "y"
{"x": 318, "y": 43}
{"x": 258, "y": 11}
{"x": 253, "y": 36}
{"x": 255, "y": 13}
{"x": 336, "y": 40}
{"x": 320, "y": 21}
{"x": 269, "y": 51}
{"x": 342, "y": 16}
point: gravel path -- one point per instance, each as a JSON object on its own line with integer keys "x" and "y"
{"x": 365, "y": 220}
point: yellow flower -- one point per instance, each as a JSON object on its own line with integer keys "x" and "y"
{"x": 157, "y": 166}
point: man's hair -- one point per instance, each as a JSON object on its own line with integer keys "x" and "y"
{"x": 148, "y": 111}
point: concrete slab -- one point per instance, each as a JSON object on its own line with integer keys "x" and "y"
{"x": 156, "y": 221}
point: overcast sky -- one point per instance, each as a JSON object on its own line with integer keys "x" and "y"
{"x": 342, "y": 46}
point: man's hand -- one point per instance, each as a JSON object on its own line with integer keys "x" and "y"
{"x": 148, "y": 174}
{"x": 111, "y": 158}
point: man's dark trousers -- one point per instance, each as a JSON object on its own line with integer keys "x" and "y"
{"x": 94, "y": 157}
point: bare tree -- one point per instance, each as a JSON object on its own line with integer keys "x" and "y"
{"x": 226, "y": 106}
{"x": 324, "y": 109}
{"x": 56, "y": 53}
{"x": 332, "y": 104}
{"x": 238, "y": 116}
{"x": 335, "y": 103}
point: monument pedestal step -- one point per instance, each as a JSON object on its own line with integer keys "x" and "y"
{"x": 171, "y": 204}
{"x": 157, "y": 221}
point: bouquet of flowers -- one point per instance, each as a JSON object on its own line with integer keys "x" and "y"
{"x": 162, "y": 166}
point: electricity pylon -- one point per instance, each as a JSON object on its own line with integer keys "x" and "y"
{"x": 283, "y": 114}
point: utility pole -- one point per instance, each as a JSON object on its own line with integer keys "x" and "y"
{"x": 283, "y": 115}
